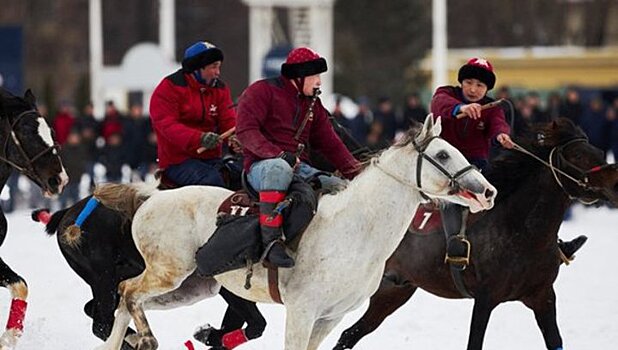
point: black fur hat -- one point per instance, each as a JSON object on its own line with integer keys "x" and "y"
{"x": 303, "y": 62}
{"x": 478, "y": 68}
{"x": 200, "y": 55}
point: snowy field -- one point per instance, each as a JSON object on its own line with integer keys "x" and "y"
{"x": 587, "y": 302}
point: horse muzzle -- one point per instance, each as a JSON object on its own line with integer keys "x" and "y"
{"x": 478, "y": 200}
{"x": 55, "y": 184}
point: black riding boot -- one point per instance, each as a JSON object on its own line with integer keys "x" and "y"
{"x": 452, "y": 218}
{"x": 569, "y": 248}
{"x": 272, "y": 233}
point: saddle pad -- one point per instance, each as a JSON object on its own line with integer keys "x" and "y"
{"x": 426, "y": 220}
{"x": 239, "y": 203}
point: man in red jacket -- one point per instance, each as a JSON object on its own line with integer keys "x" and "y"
{"x": 189, "y": 110}
{"x": 473, "y": 136}
{"x": 278, "y": 120}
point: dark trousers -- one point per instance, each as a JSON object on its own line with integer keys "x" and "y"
{"x": 196, "y": 172}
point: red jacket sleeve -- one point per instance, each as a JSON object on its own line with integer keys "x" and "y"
{"x": 442, "y": 104}
{"x": 165, "y": 112}
{"x": 325, "y": 140}
{"x": 253, "y": 109}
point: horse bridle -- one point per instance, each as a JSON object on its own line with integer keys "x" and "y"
{"x": 581, "y": 176}
{"x": 420, "y": 149}
{"x": 28, "y": 169}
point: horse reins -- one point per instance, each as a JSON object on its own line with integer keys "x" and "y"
{"x": 28, "y": 169}
{"x": 557, "y": 171}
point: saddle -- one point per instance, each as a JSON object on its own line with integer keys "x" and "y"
{"x": 236, "y": 243}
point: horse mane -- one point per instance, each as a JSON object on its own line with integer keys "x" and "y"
{"x": 406, "y": 139}
{"x": 510, "y": 168}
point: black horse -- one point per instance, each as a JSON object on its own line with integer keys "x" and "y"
{"x": 107, "y": 256}
{"x": 26, "y": 145}
{"x": 514, "y": 254}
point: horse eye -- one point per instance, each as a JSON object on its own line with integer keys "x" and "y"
{"x": 442, "y": 155}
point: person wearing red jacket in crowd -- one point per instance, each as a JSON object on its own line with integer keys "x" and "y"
{"x": 63, "y": 122}
{"x": 473, "y": 137}
{"x": 189, "y": 109}
{"x": 278, "y": 120}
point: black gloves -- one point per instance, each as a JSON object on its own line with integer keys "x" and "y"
{"x": 209, "y": 140}
{"x": 289, "y": 157}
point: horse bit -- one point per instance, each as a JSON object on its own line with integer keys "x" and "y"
{"x": 28, "y": 169}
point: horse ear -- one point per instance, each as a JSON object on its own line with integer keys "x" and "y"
{"x": 426, "y": 129}
{"x": 29, "y": 97}
{"x": 437, "y": 126}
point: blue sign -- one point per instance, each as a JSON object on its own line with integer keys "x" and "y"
{"x": 271, "y": 67}
{"x": 11, "y": 58}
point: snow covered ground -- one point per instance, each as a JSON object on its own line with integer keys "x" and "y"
{"x": 587, "y": 302}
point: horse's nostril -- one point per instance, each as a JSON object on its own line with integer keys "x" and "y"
{"x": 54, "y": 181}
{"x": 489, "y": 193}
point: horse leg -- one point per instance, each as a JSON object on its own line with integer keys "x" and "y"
{"x": 243, "y": 311}
{"x": 101, "y": 309}
{"x": 480, "y": 318}
{"x": 19, "y": 292}
{"x": 121, "y": 323}
{"x": 321, "y": 328}
{"x": 299, "y": 322}
{"x": 543, "y": 305}
{"x": 391, "y": 295}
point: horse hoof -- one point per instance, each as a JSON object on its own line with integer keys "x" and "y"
{"x": 147, "y": 343}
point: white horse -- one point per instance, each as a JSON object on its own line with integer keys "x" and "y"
{"x": 340, "y": 259}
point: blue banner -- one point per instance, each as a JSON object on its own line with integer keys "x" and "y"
{"x": 11, "y": 59}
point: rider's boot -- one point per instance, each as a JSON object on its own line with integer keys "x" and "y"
{"x": 457, "y": 247}
{"x": 569, "y": 248}
{"x": 271, "y": 227}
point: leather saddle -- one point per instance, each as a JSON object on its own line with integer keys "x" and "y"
{"x": 236, "y": 242}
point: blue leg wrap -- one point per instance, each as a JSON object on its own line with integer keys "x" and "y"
{"x": 92, "y": 204}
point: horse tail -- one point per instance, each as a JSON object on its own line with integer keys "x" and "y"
{"x": 125, "y": 198}
{"x": 51, "y": 222}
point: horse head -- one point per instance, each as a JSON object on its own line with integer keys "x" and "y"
{"x": 443, "y": 172}
{"x": 27, "y": 143}
{"x": 578, "y": 167}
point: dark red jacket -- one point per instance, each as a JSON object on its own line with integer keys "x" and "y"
{"x": 63, "y": 122}
{"x": 181, "y": 110}
{"x": 270, "y": 112}
{"x": 471, "y": 137}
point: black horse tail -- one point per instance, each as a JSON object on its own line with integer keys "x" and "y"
{"x": 51, "y": 222}
{"x": 125, "y": 198}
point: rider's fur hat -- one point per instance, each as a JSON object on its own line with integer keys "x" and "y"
{"x": 478, "y": 68}
{"x": 303, "y": 62}
{"x": 200, "y": 55}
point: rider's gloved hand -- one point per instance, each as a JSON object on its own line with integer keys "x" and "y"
{"x": 209, "y": 140}
{"x": 290, "y": 158}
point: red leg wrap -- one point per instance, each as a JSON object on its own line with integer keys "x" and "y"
{"x": 272, "y": 197}
{"x": 189, "y": 345}
{"x": 234, "y": 338}
{"x": 17, "y": 315}
{"x": 44, "y": 216}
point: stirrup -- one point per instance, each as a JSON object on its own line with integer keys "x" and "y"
{"x": 460, "y": 261}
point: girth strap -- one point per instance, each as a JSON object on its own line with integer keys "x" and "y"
{"x": 273, "y": 284}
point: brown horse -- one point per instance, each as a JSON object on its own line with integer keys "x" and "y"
{"x": 514, "y": 254}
